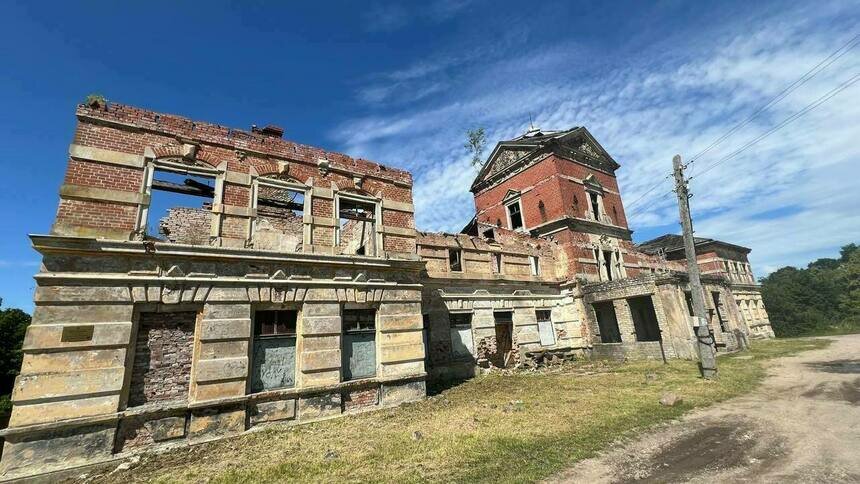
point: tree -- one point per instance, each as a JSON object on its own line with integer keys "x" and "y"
{"x": 476, "y": 141}
{"x": 823, "y": 298}
{"x": 13, "y": 326}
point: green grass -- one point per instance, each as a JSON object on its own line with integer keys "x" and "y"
{"x": 475, "y": 431}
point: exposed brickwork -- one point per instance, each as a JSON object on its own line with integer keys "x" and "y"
{"x": 236, "y": 195}
{"x": 162, "y": 358}
{"x": 394, "y": 218}
{"x": 99, "y": 175}
{"x": 185, "y": 225}
{"x": 360, "y": 399}
{"x": 88, "y": 213}
{"x": 322, "y": 207}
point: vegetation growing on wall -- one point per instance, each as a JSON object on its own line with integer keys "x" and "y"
{"x": 824, "y": 298}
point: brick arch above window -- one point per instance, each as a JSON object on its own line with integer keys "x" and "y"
{"x": 185, "y": 154}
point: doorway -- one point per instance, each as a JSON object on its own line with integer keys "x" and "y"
{"x": 607, "y": 322}
{"x": 644, "y": 318}
{"x": 504, "y": 338}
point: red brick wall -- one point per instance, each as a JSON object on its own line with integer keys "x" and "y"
{"x": 162, "y": 358}
{"x": 560, "y": 196}
{"x": 358, "y": 399}
{"x": 131, "y": 130}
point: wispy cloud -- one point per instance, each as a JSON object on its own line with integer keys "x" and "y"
{"x": 644, "y": 109}
{"x": 390, "y": 16}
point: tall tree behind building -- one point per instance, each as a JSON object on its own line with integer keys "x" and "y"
{"x": 13, "y": 326}
{"x": 824, "y": 298}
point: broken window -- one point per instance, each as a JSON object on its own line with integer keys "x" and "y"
{"x": 180, "y": 208}
{"x": 280, "y": 217}
{"x": 607, "y": 263}
{"x": 455, "y": 260}
{"x": 359, "y": 343}
{"x": 534, "y": 264}
{"x": 357, "y": 227}
{"x": 462, "y": 344}
{"x": 689, "y": 297}
{"x": 515, "y": 216}
{"x": 595, "y": 207}
{"x": 497, "y": 263}
{"x": 274, "y": 351}
{"x": 545, "y": 328}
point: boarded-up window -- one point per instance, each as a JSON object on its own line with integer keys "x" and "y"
{"x": 545, "y": 329}
{"x": 274, "y": 352}
{"x": 462, "y": 344}
{"x": 359, "y": 343}
{"x": 162, "y": 358}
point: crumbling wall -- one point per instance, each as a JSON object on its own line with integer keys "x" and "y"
{"x": 185, "y": 225}
{"x": 278, "y": 229}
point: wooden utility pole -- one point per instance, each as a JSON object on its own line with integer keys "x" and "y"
{"x": 707, "y": 357}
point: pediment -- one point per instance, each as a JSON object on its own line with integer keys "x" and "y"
{"x": 511, "y": 194}
{"x": 591, "y": 181}
{"x": 502, "y": 158}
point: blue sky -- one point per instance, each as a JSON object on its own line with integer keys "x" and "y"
{"x": 399, "y": 83}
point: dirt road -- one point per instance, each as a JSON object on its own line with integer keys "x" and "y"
{"x": 801, "y": 425}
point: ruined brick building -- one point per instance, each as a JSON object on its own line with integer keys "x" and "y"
{"x": 200, "y": 280}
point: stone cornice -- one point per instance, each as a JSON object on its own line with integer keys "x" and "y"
{"x": 51, "y": 244}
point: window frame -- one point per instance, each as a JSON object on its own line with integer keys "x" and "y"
{"x": 534, "y": 265}
{"x": 377, "y": 220}
{"x": 548, "y": 320}
{"x": 257, "y": 337}
{"x": 153, "y": 165}
{"x": 518, "y": 202}
{"x": 345, "y": 333}
{"x": 283, "y": 185}
{"x": 459, "y": 254}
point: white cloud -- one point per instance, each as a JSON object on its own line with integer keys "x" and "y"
{"x": 643, "y": 111}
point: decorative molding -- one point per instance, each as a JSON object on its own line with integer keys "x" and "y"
{"x": 105, "y": 156}
{"x": 79, "y": 192}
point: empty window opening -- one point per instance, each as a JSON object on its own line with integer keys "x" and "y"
{"x": 718, "y": 309}
{"x": 644, "y": 318}
{"x": 359, "y": 343}
{"x": 595, "y": 208}
{"x": 534, "y": 264}
{"x": 357, "y": 227}
{"x": 462, "y": 343}
{"x": 545, "y": 328}
{"x": 280, "y": 219}
{"x": 688, "y": 296}
{"x": 607, "y": 263}
{"x": 180, "y": 207}
{"x": 606, "y": 322}
{"x": 497, "y": 263}
{"x": 455, "y": 262}
{"x": 274, "y": 351}
{"x": 489, "y": 234}
{"x": 515, "y": 216}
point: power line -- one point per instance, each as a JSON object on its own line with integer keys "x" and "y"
{"x": 809, "y": 107}
{"x": 824, "y": 64}
{"x": 815, "y": 70}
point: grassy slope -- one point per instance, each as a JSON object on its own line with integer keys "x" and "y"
{"x": 473, "y": 432}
